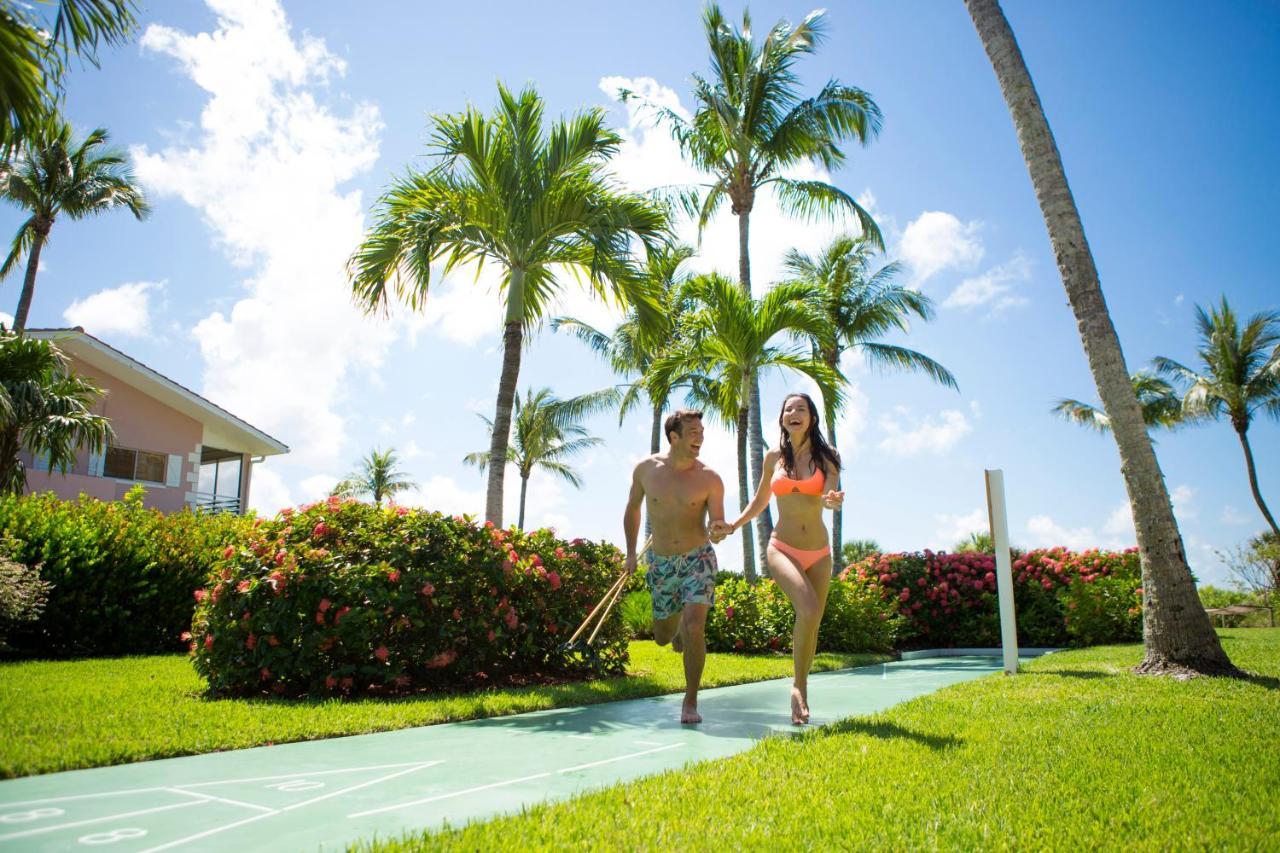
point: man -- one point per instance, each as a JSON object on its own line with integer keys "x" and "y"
{"x": 679, "y": 493}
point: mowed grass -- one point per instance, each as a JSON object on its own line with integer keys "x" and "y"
{"x": 63, "y": 715}
{"x": 1076, "y": 753}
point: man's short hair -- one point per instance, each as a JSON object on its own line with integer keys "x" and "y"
{"x": 675, "y": 422}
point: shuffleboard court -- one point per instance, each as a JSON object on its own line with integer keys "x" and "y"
{"x": 326, "y": 794}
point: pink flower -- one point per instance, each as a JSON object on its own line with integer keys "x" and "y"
{"x": 251, "y": 642}
{"x": 185, "y": 636}
{"x": 989, "y": 577}
{"x": 325, "y": 604}
{"x": 428, "y": 588}
{"x": 394, "y": 576}
{"x": 330, "y": 682}
{"x": 320, "y": 618}
{"x": 537, "y": 561}
{"x": 978, "y": 584}
{"x": 560, "y": 553}
{"x": 402, "y": 510}
{"x": 229, "y": 552}
{"x": 457, "y": 615}
{"x": 442, "y": 660}
{"x": 905, "y": 594}
{"x": 884, "y": 578}
{"x": 199, "y": 594}
{"x": 208, "y": 642}
{"x": 492, "y": 635}
{"x": 342, "y": 611}
{"x": 921, "y": 582}
{"x": 243, "y": 586}
{"x": 320, "y": 530}
{"x": 1138, "y": 590}
{"x": 280, "y": 555}
{"x": 553, "y": 579}
{"x": 728, "y": 612}
{"x": 511, "y": 618}
{"x": 381, "y": 653}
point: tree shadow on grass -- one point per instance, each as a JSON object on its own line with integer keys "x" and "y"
{"x": 1266, "y": 682}
{"x": 1070, "y": 673}
{"x": 885, "y": 731}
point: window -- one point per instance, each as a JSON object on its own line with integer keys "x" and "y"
{"x": 126, "y": 464}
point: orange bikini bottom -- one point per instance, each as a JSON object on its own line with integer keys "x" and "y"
{"x": 802, "y": 557}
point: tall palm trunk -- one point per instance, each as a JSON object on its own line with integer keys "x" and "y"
{"x": 764, "y": 521}
{"x": 512, "y": 340}
{"x": 744, "y": 498}
{"x": 1177, "y": 633}
{"x": 29, "y": 281}
{"x": 12, "y": 479}
{"x": 1243, "y": 432}
{"x": 524, "y": 490}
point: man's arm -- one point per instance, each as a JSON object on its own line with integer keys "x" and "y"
{"x": 715, "y": 508}
{"x": 631, "y": 517}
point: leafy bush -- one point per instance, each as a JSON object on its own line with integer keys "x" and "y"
{"x": 760, "y": 618}
{"x": 637, "y": 614}
{"x": 344, "y": 597}
{"x": 121, "y": 575}
{"x": 1060, "y": 597}
{"x": 23, "y": 594}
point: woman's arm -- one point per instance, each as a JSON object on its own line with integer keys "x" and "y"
{"x": 763, "y": 492}
{"x": 834, "y": 495}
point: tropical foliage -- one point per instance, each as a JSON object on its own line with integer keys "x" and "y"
{"x": 548, "y": 432}
{"x": 379, "y": 476}
{"x": 1161, "y": 407}
{"x": 535, "y": 201}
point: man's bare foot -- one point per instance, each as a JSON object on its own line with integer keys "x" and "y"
{"x": 799, "y": 711}
{"x": 689, "y": 714}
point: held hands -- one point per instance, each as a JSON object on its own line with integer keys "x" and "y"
{"x": 719, "y": 530}
{"x": 630, "y": 565}
{"x": 832, "y": 499}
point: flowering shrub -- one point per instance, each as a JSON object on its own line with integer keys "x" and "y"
{"x": 343, "y": 597}
{"x": 1061, "y": 597}
{"x": 121, "y": 574}
{"x": 760, "y": 618}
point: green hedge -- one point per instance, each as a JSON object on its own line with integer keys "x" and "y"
{"x": 122, "y": 576}
{"x": 1061, "y": 597}
{"x": 343, "y": 597}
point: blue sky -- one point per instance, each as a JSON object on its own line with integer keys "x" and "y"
{"x": 263, "y": 132}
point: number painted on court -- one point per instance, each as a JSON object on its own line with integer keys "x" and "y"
{"x": 112, "y": 837}
{"x": 28, "y": 816}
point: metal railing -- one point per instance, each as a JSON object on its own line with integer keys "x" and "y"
{"x": 217, "y": 503}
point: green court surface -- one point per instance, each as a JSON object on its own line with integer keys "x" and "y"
{"x": 329, "y": 793}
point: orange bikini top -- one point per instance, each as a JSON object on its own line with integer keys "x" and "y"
{"x": 812, "y": 485}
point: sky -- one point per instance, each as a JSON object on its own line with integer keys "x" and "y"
{"x": 264, "y": 130}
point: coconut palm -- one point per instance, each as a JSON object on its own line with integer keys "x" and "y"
{"x": 1161, "y": 407}
{"x": 859, "y": 549}
{"x": 730, "y": 338}
{"x": 536, "y": 202}
{"x": 751, "y": 125}
{"x": 45, "y": 409}
{"x": 860, "y": 306}
{"x": 1177, "y": 634}
{"x": 548, "y": 431}
{"x": 51, "y": 176}
{"x": 34, "y": 53}
{"x": 632, "y": 348}
{"x": 379, "y": 476}
{"x": 1239, "y": 378}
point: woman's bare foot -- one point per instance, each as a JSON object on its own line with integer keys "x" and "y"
{"x": 799, "y": 713}
{"x": 689, "y": 714}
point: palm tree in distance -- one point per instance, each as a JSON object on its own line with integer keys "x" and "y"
{"x": 752, "y": 124}
{"x": 379, "y": 476}
{"x": 1178, "y": 637}
{"x": 52, "y": 176}
{"x": 728, "y": 339}
{"x": 859, "y": 307}
{"x": 1161, "y": 408}
{"x": 533, "y": 200}
{"x": 1239, "y": 378}
{"x": 548, "y": 431}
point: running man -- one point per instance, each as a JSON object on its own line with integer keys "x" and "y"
{"x": 679, "y": 493}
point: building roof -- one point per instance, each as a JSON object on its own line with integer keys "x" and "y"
{"x": 222, "y": 429}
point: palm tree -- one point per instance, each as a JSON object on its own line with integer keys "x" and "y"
{"x": 547, "y": 432}
{"x": 378, "y": 477}
{"x": 860, "y": 306}
{"x": 44, "y": 409}
{"x": 859, "y": 549}
{"x": 34, "y": 55}
{"x": 1161, "y": 408}
{"x": 1239, "y": 378}
{"x": 1177, "y": 634}
{"x": 52, "y": 176}
{"x": 979, "y": 541}
{"x": 535, "y": 202}
{"x": 729, "y": 339}
{"x": 632, "y": 348}
{"x": 751, "y": 124}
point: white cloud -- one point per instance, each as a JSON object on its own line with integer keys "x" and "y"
{"x": 1044, "y": 532}
{"x": 952, "y": 529}
{"x": 925, "y": 435}
{"x": 317, "y": 486}
{"x": 994, "y": 288}
{"x": 6, "y": 320}
{"x": 268, "y": 493}
{"x": 123, "y": 310}
{"x": 1120, "y": 522}
{"x": 935, "y": 241}
{"x": 444, "y": 494}
{"x": 1231, "y": 515}
{"x": 1182, "y": 496}
{"x": 265, "y": 169}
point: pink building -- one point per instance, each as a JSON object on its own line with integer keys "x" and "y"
{"x": 186, "y": 451}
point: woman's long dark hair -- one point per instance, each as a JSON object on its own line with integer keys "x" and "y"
{"x": 821, "y": 452}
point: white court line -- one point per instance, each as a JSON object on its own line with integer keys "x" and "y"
{"x": 336, "y": 793}
{"x": 448, "y": 795}
{"x": 209, "y": 798}
{"x": 618, "y": 758}
{"x": 581, "y": 737}
{"x": 45, "y": 829}
{"x": 306, "y": 773}
{"x": 81, "y": 797}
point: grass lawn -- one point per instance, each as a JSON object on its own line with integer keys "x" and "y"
{"x": 62, "y": 715}
{"x": 1075, "y": 753}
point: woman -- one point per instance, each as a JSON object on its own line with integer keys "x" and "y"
{"x": 799, "y": 554}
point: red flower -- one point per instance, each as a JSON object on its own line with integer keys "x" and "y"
{"x": 325, "y": 604}
{"x": 553, "y": 579}
{"x": 428, "y": 589}
{"x": 537, "y": 561}
{"x": 264, "y": 673}
{"x": 457, "y": 615}
{"x": 272, "y": 641}
{"x": 319, "y": 618}
{"x": 184, "y": 636}
{"x": 492, "y": 636}
{"x": 511, "y": 618}
{"x": 229, "y": 552}
{"x": 208, "y": 642}
{"x": 728, "y": 613}
{"x": 330, "y": 682}
{"x": 381, "y": 653}
{"x": 442, "y": 660}
{"x": 280, "y": 555}
{"x": 394, "y": 576}
{"x": 402, "y": 510}
{"x": 560, "y": 553}
{"x": 243, "y": 586}
{"x": 905, "y": 594}
{"x": 342, "y": 611}
{"x": 199, "y": 594}
{"x": 921, "y": 582}
{"x": 251, "y": 642}
{"x": 320, "y": 531}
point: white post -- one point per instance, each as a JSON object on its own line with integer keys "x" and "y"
{"x": 1004, "y": 569}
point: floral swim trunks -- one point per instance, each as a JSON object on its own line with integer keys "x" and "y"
{"x": 681, "y": 579}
